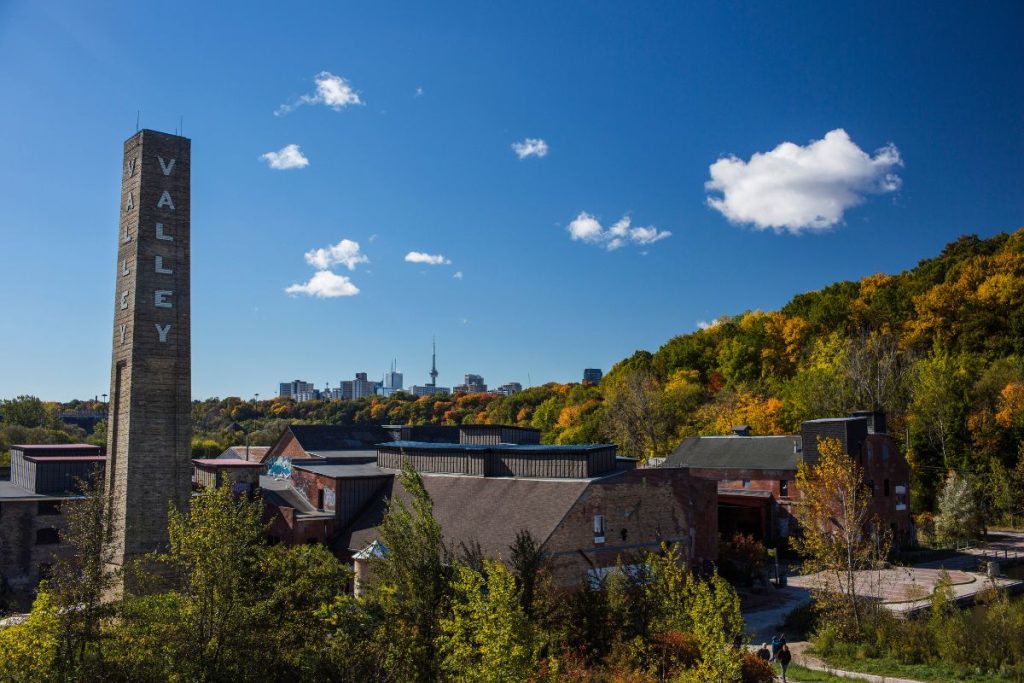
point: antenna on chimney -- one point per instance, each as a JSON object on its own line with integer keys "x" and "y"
{"x": 138, "y": 115}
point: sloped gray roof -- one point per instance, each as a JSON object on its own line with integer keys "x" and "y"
{"x": 737, "y": 452}
{"x": 483, "y": 510}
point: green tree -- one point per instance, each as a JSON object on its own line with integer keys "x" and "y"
{"x": 24, "y": 411}
{"x": 486, "y": 636}
{"x": 29, "y": 650}
{"x": 412, "y": 580}
{"x": 714, "y": 611}
{"x": 938, "y": 402}
{"x": 82, "y": 583}
{"x": 959, "y": 518}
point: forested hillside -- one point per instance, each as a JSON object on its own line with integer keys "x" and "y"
{"x": 938, "y": 347}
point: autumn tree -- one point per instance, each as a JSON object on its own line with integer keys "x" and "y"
{"x": 839, "y": 538}
{"x": 636, "y": 413}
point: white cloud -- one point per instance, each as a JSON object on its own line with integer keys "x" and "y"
{"x": 345, "y": 252}
{"x": 586, "y": 228}
{"x": 801, "y": 189}
{"x": 325, "y": 285}
{"x": 457, "y": 275}
{"x": 419, "y": 91}
{"x": 333, "y": 91}
{"x": 705, "y": 325}
{"x": 530, "y": 147}
{"x": 287, "y": 157}
{"x": 429, "y": 259}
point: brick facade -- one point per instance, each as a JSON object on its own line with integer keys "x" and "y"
{"x": 639, "y": 511}
{"x": 23, "y": 553}
{"x": 150, "y": 430}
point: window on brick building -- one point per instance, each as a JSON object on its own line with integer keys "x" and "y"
{"x": 45, "y": 571}
{"x": 746, "y": 483}
{"x": 783, "y": 488}
{"x": 598, "y": 528}
{"x": 871, "y": 486}
{"x": 49, "y": 507}
{"x": 47, "y": 536}
{"x": 885, "y": 485}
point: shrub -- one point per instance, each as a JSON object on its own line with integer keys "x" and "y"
{"x": 741, "y": 558}
{"x": 756, "y": 670}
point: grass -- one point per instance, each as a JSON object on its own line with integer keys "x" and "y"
{"x": 799, "y": 674}
{"x": 937, "y": 672}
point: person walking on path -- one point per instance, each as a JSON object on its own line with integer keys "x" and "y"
{"x": 784, "y": 657}
{"x": 776, "y": 644}
{"x": 764, "y": 653}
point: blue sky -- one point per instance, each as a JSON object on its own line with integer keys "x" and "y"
{"x": 634, "y": 103}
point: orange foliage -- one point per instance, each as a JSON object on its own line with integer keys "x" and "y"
{"x": 1011, "y": 405}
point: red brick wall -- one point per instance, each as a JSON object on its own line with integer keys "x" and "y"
{"x": 287, "y": 446}
{"x": 882, "y": 461}
{"x": 641, "y": 509}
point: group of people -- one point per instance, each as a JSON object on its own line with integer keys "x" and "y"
{"x": 779, "y": 652}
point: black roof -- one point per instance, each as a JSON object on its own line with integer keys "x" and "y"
{"x": 338, "y": 438}
{"x": 739, "y": 452}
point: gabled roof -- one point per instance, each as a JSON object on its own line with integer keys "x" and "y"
{"x": 480, "y": 510}
{"x": 737, "y": 452}
{"x": 256, "y": 453}
{"x": 225, "y": 462}
{"x": 314, "y": 438}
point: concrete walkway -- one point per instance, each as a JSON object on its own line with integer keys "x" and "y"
{"x": 808, "y": 661}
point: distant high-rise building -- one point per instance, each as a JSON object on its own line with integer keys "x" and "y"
{"x": 362, "y": 387}
{"x": 473, "y": 384}
{"x": 509, "y": 389}
{"x": 294, "y": 388}
{"x": 593, "y": 375}
{"x": 392, "y": 381}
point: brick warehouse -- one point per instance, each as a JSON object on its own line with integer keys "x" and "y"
{"x": 586, "y": 507}
{"x": 756, "y": 474}
{"x": 42, "y": 477}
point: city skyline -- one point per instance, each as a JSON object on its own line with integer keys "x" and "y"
{"x": 545, "y": 188}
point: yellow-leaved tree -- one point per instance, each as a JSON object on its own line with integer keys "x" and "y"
{"x": 839, "y": 539}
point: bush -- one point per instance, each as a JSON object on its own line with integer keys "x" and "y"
{"x": 756, "y": 670}
{"x": 741, "y": 558}
{"x": 824, "y": 639}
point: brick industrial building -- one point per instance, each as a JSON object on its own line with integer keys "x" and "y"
{"x": 756, "y": 474}
{"x": 585, "y": 506}
{"x": 42, "y": 478}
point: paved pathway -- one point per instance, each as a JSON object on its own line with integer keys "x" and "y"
{"x": 801, "y": 657}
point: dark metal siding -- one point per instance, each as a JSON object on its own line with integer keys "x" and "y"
{"x": 353, "y": 495}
